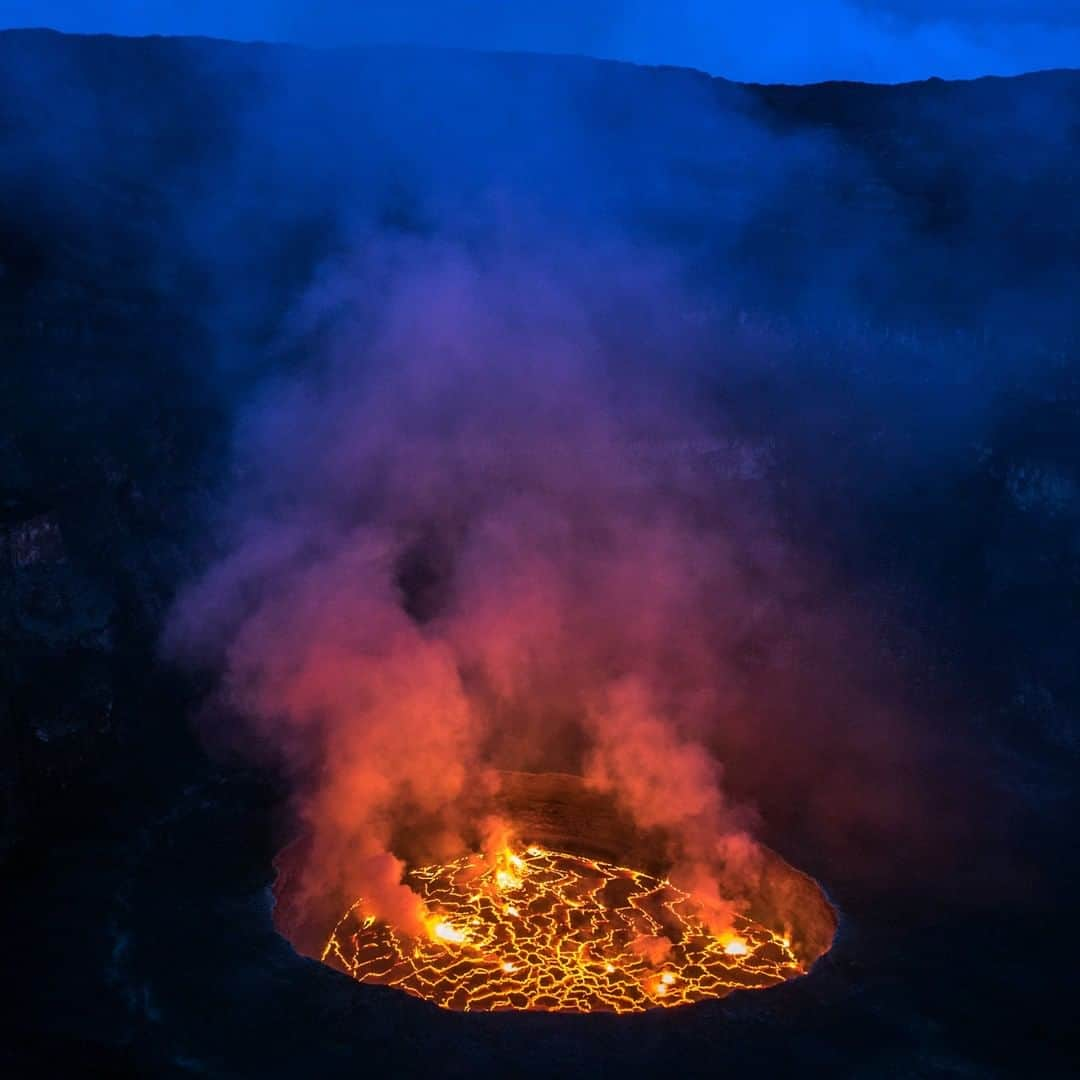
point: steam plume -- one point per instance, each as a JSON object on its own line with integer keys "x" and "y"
{"x": 469, "y": 539}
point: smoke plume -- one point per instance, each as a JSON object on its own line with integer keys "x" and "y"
{"x": 476, "y": 535}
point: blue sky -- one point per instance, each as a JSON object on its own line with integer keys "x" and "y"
{"x": 754, "y": 40}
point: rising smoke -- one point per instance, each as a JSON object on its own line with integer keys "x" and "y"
{"x": 476, "y": 535}
{"x": 517, "y": 505}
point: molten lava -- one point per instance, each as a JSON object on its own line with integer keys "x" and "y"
{"x": 552, "y": 931}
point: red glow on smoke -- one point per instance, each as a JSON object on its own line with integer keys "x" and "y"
{"x": 475, "y": 539}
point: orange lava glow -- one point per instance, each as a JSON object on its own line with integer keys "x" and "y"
{"x": 551, "y": 931}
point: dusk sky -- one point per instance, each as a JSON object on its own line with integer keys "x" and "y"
{"x": 763, "y": 41}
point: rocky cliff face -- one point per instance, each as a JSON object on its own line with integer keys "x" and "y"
{"x": 902, "y": 262}
{"x": 164, "y": 201}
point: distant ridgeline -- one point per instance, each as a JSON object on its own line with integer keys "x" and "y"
{"x": 142, "y": 179}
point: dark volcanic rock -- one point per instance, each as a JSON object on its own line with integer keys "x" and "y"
{"x": 163, "y": 204}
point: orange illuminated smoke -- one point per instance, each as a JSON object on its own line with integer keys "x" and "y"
{"x": 548, "y": 930}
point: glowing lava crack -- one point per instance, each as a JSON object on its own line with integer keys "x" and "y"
{"x": 551, "y": 931}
